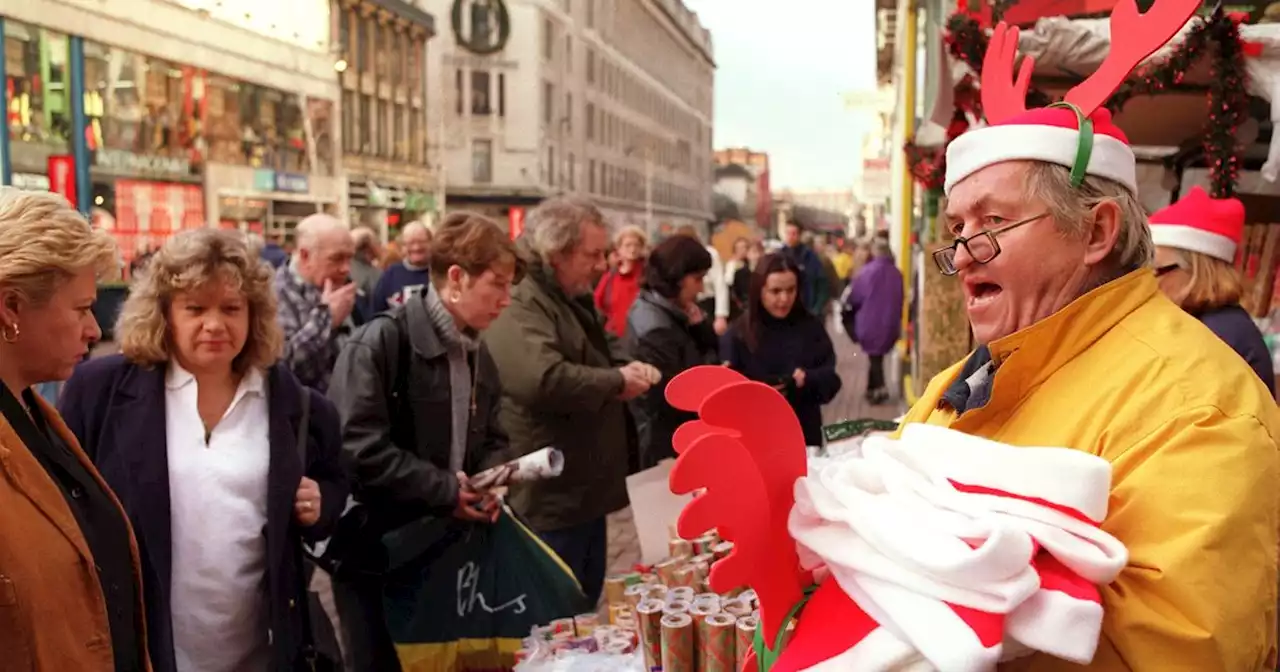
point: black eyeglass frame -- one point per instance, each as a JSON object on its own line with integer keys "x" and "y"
{"x": 940, "y": 255}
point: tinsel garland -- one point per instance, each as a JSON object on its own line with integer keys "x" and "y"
{"x": 1217, "y": 37}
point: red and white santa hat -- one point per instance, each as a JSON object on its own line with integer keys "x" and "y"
{"x": 1198, "y": 223}
{"x": 1048, "y": 134}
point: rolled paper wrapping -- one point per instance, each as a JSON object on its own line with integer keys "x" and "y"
{"x": 561, "y": 626}
{"x": 619, "y": 647}
{"x": 632, "y": 595}
{"x": 649, "y": 614}
{"x": 683, "y": 593}
{"x": 666, "y": 570}
{"x": 722, "y": 549}
{"x": 709, "y": 601}
{"x": 677, "y": 643}
{"x": 658, "y": 591}
{"x": 619, "y": 611}
{"x": 536, "y": 466}
{"x": 628, "y": 622}
{"x": 650, "y": 579}
{"x": 680, "y": 548}
{"x": 735, "y": 607}
{"x": 585, "y": 624}
{"x": 687, "y": 576}
{"x": 749, "y": 596}
{"x": 676, "y": 607}
{"x": 705, "y": 543}
{"x": 615, "y": 589}
{"x": 717, "y": 644}
{"x": 746, "y": 637}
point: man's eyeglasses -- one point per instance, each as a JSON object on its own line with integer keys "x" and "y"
{"x": 1167, "y": 269}
{"x": 982, "y": 246}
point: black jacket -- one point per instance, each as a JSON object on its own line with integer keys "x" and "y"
{"x": 659, "y": 333}
{"x": 117, "y": 411}
{"x": 391, "y": 387}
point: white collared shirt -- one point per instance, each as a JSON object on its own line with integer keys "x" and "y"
{"x": 218, "y": 504}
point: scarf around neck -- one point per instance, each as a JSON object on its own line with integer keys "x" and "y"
{"x": 457, "y": 346}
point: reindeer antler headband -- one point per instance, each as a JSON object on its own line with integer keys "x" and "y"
{"x": 1077, "y": 133}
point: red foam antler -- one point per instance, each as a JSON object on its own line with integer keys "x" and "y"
{"x": 1002, "y": 96}
{"x": 747, "y": 452}
{"x": 1134, "y": 37}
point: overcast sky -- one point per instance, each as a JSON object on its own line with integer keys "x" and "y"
{"x": 783, "y": 67}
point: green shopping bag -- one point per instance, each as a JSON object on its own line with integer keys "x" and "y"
{"x": 461, "y": 597}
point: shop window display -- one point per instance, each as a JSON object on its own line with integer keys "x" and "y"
{"x": 144, "y": 105}
{"x": 37, "y": 108}
{"x": 257, "y": 126}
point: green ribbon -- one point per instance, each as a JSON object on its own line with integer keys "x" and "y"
{"x": 1084, "y": 149}
{"x": 765, "y": 656}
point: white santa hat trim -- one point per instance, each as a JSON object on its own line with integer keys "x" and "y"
{"x": 983, "y": 147}
{"x": 1193, "y": 239}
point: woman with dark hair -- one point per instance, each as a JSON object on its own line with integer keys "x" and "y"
{"x": 778, "y": 342}
{"x": 667, "y": 329}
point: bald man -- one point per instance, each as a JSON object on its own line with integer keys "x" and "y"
{"x": 316, "y": 298}
{"x": 407, "y": 278}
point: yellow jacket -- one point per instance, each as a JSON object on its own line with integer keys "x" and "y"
{"x": 1191, "y": 435}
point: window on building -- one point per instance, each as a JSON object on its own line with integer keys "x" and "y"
{"x": 551, "y": 165}
{"x": 573, "y": 172}
{"x": 383, "y": 115}
{"x": 590, "y": 114}
{"x": 349, "y": 121}
{"x": 417, "y": 143}
{"x": 397, "y": 56}
{"x": 401, "y": 138}
{"x": 366, "y": 124}
{"x": 480, "y": 92}
{"x": 364, "y": 50}
{"x": 591, "y": 13}
{"x": 568, "y": 112}
{"x": 568, "y": 53}
{"x": 548, "y": 103}
{"x": 482, "y": 161}
{"x": 459, "y": 93}
{"x": 548, "y": 38}
{"x": 591, "y": 65}
{"x": 344, "y": 32}
{"x": 591, "y": 173}
{"x": 382, "y": 52}
{"x": 502, "y": 94}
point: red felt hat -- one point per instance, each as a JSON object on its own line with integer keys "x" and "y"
{"x": 1198, "y": 223}
{"x": 1077, "y": 133}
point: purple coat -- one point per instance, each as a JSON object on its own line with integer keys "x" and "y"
{"x": 874, "y": 306}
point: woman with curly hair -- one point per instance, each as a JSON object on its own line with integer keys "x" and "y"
{"x": 70, "y": 584}
{"x": 197, "y": 426}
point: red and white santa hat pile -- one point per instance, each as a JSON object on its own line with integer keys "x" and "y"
{"x": 1198, "y": 223}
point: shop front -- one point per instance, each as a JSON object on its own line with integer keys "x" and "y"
{"x": 386, "y": 206}
{"x": 265, "y": 201}
{"x": 37, "y": 110}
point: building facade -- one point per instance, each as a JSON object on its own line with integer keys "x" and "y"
{"x": 610, "y": 99}
{"x": 383, "y": 47}
{"x": 160, "y": 115}
{"x": 742, "y": 187}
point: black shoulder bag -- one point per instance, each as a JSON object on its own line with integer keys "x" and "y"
{"x": 310, "y": 659}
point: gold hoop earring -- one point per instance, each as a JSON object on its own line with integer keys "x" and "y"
{"x": 10, "y": 334}
{"x": 455, "y": 296}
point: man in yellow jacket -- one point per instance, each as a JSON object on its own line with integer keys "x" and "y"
{"x": 1080, "y": 349}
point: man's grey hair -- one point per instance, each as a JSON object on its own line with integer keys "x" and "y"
{"x": 413, "y": 227}
{"x": 313, "y": 227}
{"x": 556, "y": 225}
{"x": 1070, "y": 207}
{"x": 881, "y": 248}
{"x": 365, "y": 239}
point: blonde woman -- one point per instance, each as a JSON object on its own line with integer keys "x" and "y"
{"x": 197, "y": 426}
{"x": 70, "y": 584}
{"x": 1196, "y": 241}
{"x": 620, "y": 285}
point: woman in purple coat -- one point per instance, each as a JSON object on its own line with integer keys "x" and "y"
{"x": 873, "y": 314}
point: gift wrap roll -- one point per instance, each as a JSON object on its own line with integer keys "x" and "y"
{"x": 717, "y": 643}
{"x": 746, "y": 636}
{"x": 677, "y": 643}
{"x": 687, "y": 577}
{"x": 680, "y": 548}
{"x": 735, "y": 607}
{"x": 749, "y": 596}
{"x": 586, "y": 624}
{"x": 677, "y": 607}
{"x": 561, "y": 626}
{"x": 632, "y": 595}
{"x": 704, "y": 544}
{"x": 619, "y": 647}
{"x": 666, "y": 570}
{"x": 709, "y": 601}
{"x": 615, "y": 589}
{"x": 701, "y": 610}
{"x": 684, "y": 593}
{"x": 722, "y": 549}
{"x": 618, "y": 612}
{"x": 649, "y": 622}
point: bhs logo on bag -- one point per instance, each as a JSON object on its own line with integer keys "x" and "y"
{"x": 470, "y": 597}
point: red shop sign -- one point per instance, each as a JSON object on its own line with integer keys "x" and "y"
{"x": 516, "y": 218}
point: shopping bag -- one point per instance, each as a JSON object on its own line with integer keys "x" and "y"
{"x": 460, "y": 597}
